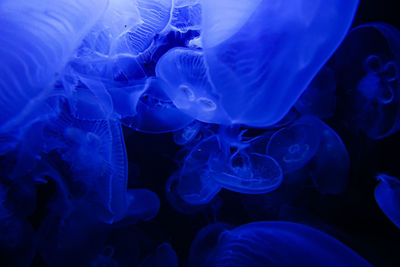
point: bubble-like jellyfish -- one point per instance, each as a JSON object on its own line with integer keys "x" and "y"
{"x": 295, "y": 145}
{"x": 196, "y": 186}
{"x": 37, "y": 41}
{"x": 387, "y": 195}
{"x": 188, "y": 86}
{"x": 205, "y": 242}
{"x": 163, "y": 256}
{"x": 278, "y": 243}
{"x": 155, "y": 111}
{"x": 261, "y": 56}
{"x": 319, "y": 98}
{"x": 330, "y": 168}
{"x": 367, "y": 71}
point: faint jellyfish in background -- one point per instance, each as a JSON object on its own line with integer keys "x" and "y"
{"x": 33, "y": 54}
{"x": 187, "y": 134}
{"x": 283, "y": 244}
{"x": 387, "y": 195}
{"x": 245, "y": 64}
{"x": 319, "y": 98}
{"x": 367, "y": 72}
{"x": 188, "y": 86}
{"x": 163, "y": 256}
{"x": 205, "y": 242}
{"x": 155, "y": 111}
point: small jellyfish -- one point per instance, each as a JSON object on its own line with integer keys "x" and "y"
{"x": 142, "y": 204}
{"x": 319, "y": 98}
{"x": 276, "y": 243}
{"x": 164, "y": 256}
{"x": 261, "y": 56}
{"x": 295, "y": 145}
{"x": 188, "y": 86}
{"x": 387, "y": 195}
{"x": 187, "y": 134}
{"x": 367, "y": 72}
{"x": 156, "y": 113}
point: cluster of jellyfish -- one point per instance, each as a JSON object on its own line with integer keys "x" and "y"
{"x": 254, "y": 93}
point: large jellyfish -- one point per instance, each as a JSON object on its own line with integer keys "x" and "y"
{"x": 369, "y": 97}
{"x": 387, "y": 195}
{"x": 281, "y": 244}
{"x": 261, "y": 55}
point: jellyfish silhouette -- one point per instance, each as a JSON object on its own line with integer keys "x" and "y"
{"x": 369, "y": 97}
{"x": 253, "y": 48}
{"x": 387, "y": 195}
{"x": 281, "y": 243}
{"x": 37, "y": 41}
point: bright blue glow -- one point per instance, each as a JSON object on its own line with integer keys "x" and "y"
{"x": 157, "y": 132}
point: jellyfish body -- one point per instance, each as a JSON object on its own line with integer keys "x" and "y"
{"x": 155, "y": 111}
{"x": 34, "y": 53}
{"x": 281, "y": 243}
{"x": 387, "y": 195}
{"x": 253, "y": 48}
{"x": 186, "y": 17}
{"x": 295, "y": 145}
{"x": 188, "y": 86}
{"x": 187, "y": 134}
{"x": 369, "y": 98}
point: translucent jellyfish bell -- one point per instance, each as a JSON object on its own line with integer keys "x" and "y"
{"x": 261, "y": 56}
{"x": 295, "y": 145}
{"x": 281, "y": 244}
{"x": 186, "y": 77}
{"x": 387, "y": 195}
{"x": 369, "y": 97}
{"x": 38, "y": 38}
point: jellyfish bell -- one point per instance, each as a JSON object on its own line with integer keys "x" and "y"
{"x": 387, "y": 196}
{"x": 369, "y": 97}
{"x": 255, "y": 47}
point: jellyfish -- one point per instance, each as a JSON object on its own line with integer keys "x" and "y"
{"x": 163, "y": 256}
{"x": 295, "y": 145}
{"x": 155, "y": 111}
{"x": 369, "y": 97}
{"x": 187, "y": 134}
{"x": 330, "y": 167}
{"x": 319, "y": 98}
{"x": 387, "y": 197}
{"x": 186, "y": 17}
{"x": 205, "y": 242}
{"x": 283, "y": 244}
{"x": 37, "y": 41}
{"x": 188, "y": 86}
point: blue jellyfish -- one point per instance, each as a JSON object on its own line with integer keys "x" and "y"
{"x": 387, "y": 195}
{"x": 205, "y": 242}
{"x": 369, "y": 97}
{"x": 319, "y": 98}
{"x": 278, "y": 243}
{"x": 261, "y": 56}
{"x": 295, "y": 145}
{"x": 188, "y": 86}
{"x": 155, "y": 111}
{"x": 187, "y": 16}
{"x": 163, "y": 256}
{"x": 37, "y": 41}
{"x": 187, "y": 134}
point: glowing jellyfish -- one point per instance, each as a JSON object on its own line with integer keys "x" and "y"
{"x": 387, "y": 195}
{"x": 252, "y": 48}
{"x": 330, "y": 168}
{"x": 196, "y": 186}
{"x": 188, "y": 86}
{"x": 281, "y": 243}
{"x": 319, "y": 98}
{"x": 37, "y": 41}
{"x": 295, "y": 145}
{"x": 163, "y": 256}
{"x": 155, "y": 111}
{"x": 187, "y": 134}
{"x": 369, "y": 97}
